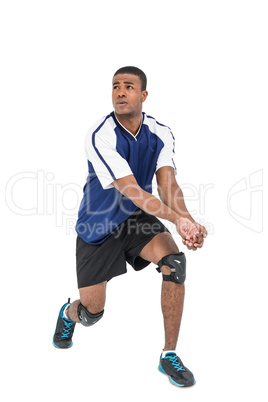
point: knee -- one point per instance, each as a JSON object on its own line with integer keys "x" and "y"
{"x": 165, "y": 270}
{"x": 93, "y": 308}
{"x": 86, "y": 317}
{"x": 169, "y": 251}
{"x": 93, "y": 297}
{"x": 173, "y": 267}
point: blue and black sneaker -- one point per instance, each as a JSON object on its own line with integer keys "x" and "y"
{"x": 178, "y": 374}
{"x": 64, "y": 330}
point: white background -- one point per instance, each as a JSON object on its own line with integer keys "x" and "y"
{"x": 206, "y": 63}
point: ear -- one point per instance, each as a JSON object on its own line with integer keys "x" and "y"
{"x": 144, "y": 95}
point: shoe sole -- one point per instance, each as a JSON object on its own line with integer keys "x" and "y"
{"x": 68, "y": 347}
{"x": 160, "y": 368}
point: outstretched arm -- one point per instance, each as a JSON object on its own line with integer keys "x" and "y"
{"x": 171, "y": 195}
{"x": 129, "y": 187}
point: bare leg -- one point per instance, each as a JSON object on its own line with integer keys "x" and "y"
{"x": 172, "y": 296}
{"x": 172, "y": 299}
{"x": 93, "y": 299}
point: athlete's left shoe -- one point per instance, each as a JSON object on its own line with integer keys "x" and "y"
{"x": 178, "y": 374}
{"x": 62, "y": 338}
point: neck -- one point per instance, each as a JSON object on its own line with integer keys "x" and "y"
{"x": 131, "y": 123}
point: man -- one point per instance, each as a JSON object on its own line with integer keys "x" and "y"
{"x": 117, "y": 220}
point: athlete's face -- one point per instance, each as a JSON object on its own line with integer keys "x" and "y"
{"x": 127, "y": 95}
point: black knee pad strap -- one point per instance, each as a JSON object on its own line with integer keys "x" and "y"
{"x": 86, "y": 318}
{"x": 177, "y": 263}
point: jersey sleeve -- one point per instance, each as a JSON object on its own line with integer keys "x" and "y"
{"x": 100, "y": 147}
{"x": 166, "y": 156}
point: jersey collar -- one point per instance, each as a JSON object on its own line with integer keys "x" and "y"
{"x": 125, "y": 130}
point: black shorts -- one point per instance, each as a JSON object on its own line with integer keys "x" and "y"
{"x": 96, "y": 264}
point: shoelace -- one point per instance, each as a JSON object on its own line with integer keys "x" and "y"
{"x": 175, "y": 363}
{"x": 66, "y": 329}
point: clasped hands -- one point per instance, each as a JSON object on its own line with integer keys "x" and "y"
{"x": 193, "y": 234}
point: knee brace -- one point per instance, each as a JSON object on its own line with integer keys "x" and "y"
{"x": 177, "y": 263}
{"x": 87, "y": 319}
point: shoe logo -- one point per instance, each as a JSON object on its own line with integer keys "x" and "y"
{"x": 178, "y": 261}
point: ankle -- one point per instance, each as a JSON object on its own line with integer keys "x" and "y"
{"x": 165, "y": 351}
{"x": 71, "y": 311}
{"x": 171, "y": 346}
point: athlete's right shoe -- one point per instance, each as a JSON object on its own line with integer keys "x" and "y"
{"x": 62, "y": 338}
{"x": 178, "y": 374}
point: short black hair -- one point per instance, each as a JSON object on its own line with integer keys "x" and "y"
{"x": 134, "y": 71}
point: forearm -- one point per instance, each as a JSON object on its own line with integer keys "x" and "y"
{"x": 129, "y": 187}
{"x": 150, "y": 204}
{"x": 173, "y": 198}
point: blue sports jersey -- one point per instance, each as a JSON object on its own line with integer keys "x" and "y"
{"x": 114, "y": 152}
